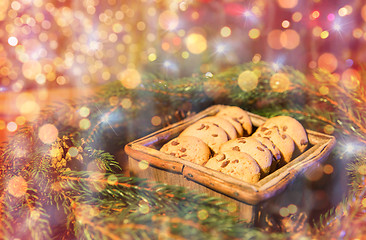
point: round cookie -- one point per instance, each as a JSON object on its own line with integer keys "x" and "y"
{"x": 274, "y": 150}
{"x": 283, "y": 142}
{"x": 239, "y": 115}
{"x": 222, "y": 123}
{"x": 237, "y": 164}
{"x": 209, "y": 133}
{"x": 238, "y": 127}
{"x": 254, "y": 148}
{"x": 291, "y": 127}
{"x": 189, "y": 148}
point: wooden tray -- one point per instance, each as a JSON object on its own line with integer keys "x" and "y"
{"x": 146, "y": 161}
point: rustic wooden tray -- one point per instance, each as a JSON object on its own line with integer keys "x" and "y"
{"x": 146, "y": 161}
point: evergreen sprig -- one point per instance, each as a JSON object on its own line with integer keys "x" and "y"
{"x": 104, "y": 204}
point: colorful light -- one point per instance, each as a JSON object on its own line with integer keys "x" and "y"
{"x": 328, "y": 62}
{"x": 297, "y": 16}
{"x": 225, "y": 31}
{"x": 287, "y": 3}
{"x": 84, "y": 124}
{"x": 328, "y": 169}
{"x": 168, "y": 20}
{"x": 351, "y": 79}
{"x": 130, "y": 78}
{"x": 285, "y": 24}
{"x": 48, "y": 133}
{"x": 363, "y": 12}
{"x": 12, "y": 126}
{"x": 156, "y": 120}
{"x": 17, "y": 186}
{"x": 254, "y": 33}
{"x": 248, "y": 81}
{"x": 221, "y": 48}
{"x": 13, "y": 41}
{"x": 289, "y": 39}
{"x": 279, "y": 82}
{"x": 196, "y": 43}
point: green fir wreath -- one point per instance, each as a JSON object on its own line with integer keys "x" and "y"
{"x": 74, "y": 188}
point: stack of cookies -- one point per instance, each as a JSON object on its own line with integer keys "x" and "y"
{"x": 226, "y": 143}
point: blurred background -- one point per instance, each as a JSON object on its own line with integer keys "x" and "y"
{"x": 52, "y": 49}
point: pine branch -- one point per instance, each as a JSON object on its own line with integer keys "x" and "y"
{"x": 119, "y": 204}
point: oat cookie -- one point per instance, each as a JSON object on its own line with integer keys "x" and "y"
{"x": 282, "y": 141}
{"x": 209, "y": 133}
{"x": 254, "y": 148}
{"x": 189, "y": 148}
{"x": 239, "y": 115}
{"x": 274, "y": 150}
{"x": 237, "y": 164}
{"x": 224, "y": 124}
{"x": 291, "y": 127}
{"x": 238, "y": 127}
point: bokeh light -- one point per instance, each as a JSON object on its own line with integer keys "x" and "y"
{"x": 20, "y": 120}
{"x": 351, "y": 79}
{"x": 324, "y": 34}
{"x": 156, "y": 120}
{"x": 84, "y": 124}
{"x": 17, "y": 186}
{"x": 112, "y": 179}
{"x": 357, "y": 33}
{"x": 287, "y": 3}
{"x": 314, "y": 173}
{"x": 328, "y": 169}
{"x": 168, "y": 20}
{"x": 328, "y": 62}
{"x": 314, "y": 15}
{"x": 279, "y": 82}
{"x": 225, "y": 31}
{"x": 144, "y": 208}
{"x": 126, "y": 103}
{"x": 4, "y": 4}
{"x": 328, "y": 129}
{"x": 48, "y": 133}
{"x": 31, "y": 69}
{"x": 196, "y": 43}
{"x": 13, "y": 41}
{"x": 143, "y": 165}
{"x": 73, "y": 151}
{"x": 130, "y": 78}
{"x": 297, "y": 16}
{"x": 254, "y": 33}
{"x": 290, "y": 39}
{"x": 324, "y": 90}
{"x": 362, "y": 169}
{"x": 248, "y": 81}
{"x": 113, "y": 100}
{"x": 12, "y": 126}
{"x": 292, "y": 208}
{"x": 363, "y": 12}
{"x": 285, "y": 24}
{"x": 84, "y": 111}
{"x": 284, "y": 212}
{"x": 202, "y": 214}
{"x": 273, "y": 39}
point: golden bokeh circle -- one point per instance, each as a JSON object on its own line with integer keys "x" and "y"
{"x": 279, "y": 82}
{"x": 247, "y": 81}
{"x": 130, "y": 78}
{"x": 196, "y": 43}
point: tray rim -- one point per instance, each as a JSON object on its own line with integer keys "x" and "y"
{"x": 267, "y": 187}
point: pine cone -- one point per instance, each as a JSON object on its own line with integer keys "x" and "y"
{"x": 62, "y": 152}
